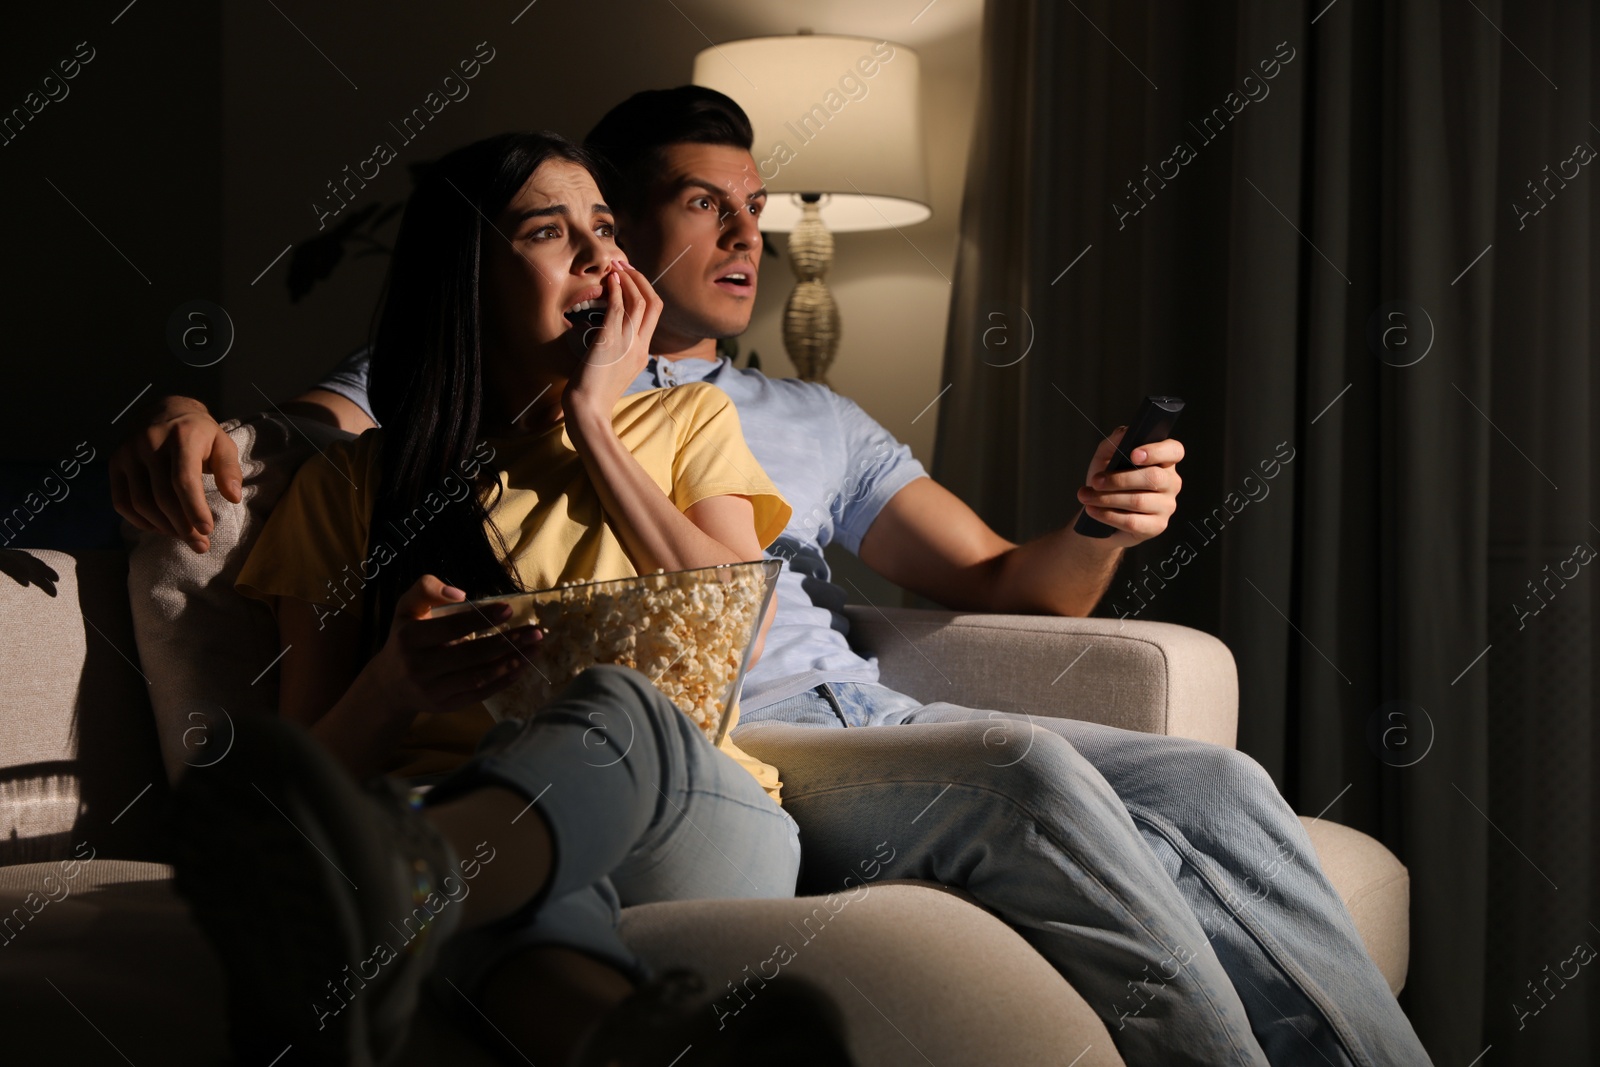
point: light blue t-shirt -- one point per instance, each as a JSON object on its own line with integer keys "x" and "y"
{"x": 835, "y": 465}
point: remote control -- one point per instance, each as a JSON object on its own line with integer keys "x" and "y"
{"x": 1154, "y": 422}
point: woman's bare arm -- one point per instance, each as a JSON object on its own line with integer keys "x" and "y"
{"x": 653, "y": 530}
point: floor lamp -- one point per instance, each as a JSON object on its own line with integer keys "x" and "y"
{"x": 838, "y": 142}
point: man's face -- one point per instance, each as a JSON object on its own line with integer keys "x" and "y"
{"x": 699, "y": 242}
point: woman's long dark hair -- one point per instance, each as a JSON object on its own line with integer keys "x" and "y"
{"x": 426, "y": 385}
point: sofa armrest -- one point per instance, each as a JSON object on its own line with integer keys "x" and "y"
{"x": 1152, "y": 676}
{"x": 77, "y": 741}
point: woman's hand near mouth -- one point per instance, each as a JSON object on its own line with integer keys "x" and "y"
{"x": 615, "y": 352}
{"x": 652, "y": 529}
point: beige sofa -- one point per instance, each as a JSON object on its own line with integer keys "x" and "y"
{"x": 102, "y": 960}
{"x": 99, "y": 962}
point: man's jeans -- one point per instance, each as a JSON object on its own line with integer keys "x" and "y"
{"x": 1165, "y": 878}
{"x": 640, "y": 808}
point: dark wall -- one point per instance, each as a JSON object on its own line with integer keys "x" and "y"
{"x": 113, "y": 207}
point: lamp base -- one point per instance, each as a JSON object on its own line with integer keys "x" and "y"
{"x": 810, "y": 317}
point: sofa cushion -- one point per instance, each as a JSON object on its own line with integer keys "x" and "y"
{"x": 1375, "y": 886}
{"x": 204, "y": 647}
{"x": 78, "y": 759}
{"x": 918, "y": 974}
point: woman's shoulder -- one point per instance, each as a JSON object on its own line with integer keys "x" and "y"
{"x": 703, "y": 399}
{"x": 360, "y": 447}
{"x": 690, "y": 405}
{"x": 367, "y": 442}
{"x": 348, "y": 465}
{"x": 687, "y": 394}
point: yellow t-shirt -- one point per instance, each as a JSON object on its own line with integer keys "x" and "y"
{"x": 317, "y": 545}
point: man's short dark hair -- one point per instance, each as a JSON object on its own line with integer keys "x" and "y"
{"x": 630, "y": 138}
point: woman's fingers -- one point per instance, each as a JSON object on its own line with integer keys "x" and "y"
{"x": 632, "y": 298}
{"x": 475, "y": 685}
{"x": 518, "y": 643}
{"x": 650, "y": 303}
{"x": 633, "y": 306}
{"x": 616, "y": 334}
{"x": 424, "y": 594}
{"x": 645, "y": 310}
{"x": 422, "y": 635}
{"x": 427, "y": 664}
{"x": 628, "y": 321}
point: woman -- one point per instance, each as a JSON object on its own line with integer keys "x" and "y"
{"x": 509, "y": 459}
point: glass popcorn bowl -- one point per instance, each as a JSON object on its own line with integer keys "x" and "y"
{"x": 690, "y": 632}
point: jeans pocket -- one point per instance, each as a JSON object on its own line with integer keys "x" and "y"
{"x": 861, "y": 704}
{"x": 845, "y": 703}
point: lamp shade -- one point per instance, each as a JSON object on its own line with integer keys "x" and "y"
{"x": 836, "y": 116}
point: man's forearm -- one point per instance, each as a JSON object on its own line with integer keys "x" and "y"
{"x": 1061, "y": 573}
{"x": 333, "y": 409}
{"x": 928, "y": 541}
{"x": 316, "y": 403}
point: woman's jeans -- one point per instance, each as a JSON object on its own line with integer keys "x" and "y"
{"x": 640, "y": 808}
{"x": 1165, "y": 878}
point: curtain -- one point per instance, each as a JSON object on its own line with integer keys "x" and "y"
{"x": 1356, "y": 237}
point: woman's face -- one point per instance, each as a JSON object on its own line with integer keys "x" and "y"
{"x": 555, "y": 243}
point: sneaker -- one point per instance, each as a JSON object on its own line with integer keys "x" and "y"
{"x": 318, "y": 894}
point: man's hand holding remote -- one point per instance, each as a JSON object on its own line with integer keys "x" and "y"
{"x": 1138, "y": 503}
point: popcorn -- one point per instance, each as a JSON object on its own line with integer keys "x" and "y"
{"x": 689, "y": 632}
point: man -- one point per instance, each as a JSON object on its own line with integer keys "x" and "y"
{"x": 1165, "y": 878}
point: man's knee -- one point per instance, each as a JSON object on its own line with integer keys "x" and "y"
{"x": 1233, "y": 773}
{"x": 1010, "y": 754}
{"x": 1043, "y": 760}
